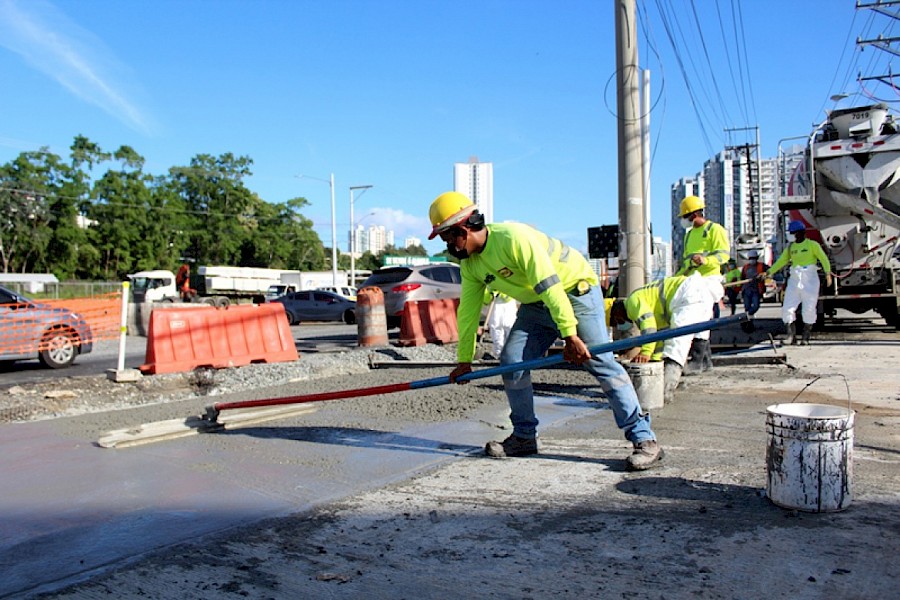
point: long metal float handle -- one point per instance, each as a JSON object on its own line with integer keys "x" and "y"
{"x": 212, "y": 412}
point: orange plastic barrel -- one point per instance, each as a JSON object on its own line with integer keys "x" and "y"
{"x": 371, "y": 320}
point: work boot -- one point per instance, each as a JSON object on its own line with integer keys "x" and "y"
{"x": 707, "y": 363}
{"x": 645, "y": 456}
{"x": 511, "y": 446}
{"x": 807, "y": 328}
{"x": 671, "y": 377}
{"x": 699, "y": 359}
{"x": 694, "y": 363}
{"x": 791, "y": 338}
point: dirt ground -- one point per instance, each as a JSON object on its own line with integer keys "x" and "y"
{"x": 570, "y": 522}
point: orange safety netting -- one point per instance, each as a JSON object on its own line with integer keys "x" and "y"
{"x": 103, "y": 313}
{"x": 29, "y": 327}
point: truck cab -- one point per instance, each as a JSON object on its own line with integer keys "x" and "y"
{"x": 153, "y": 286}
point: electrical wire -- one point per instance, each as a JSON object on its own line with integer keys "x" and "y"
{"x": 681, "y": 66}
{"x": 746, "y": 62}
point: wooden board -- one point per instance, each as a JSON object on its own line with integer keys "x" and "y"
{"x": 148, "y": 433}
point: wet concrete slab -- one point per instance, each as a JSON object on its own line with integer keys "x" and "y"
{"x": 70, "y": 508}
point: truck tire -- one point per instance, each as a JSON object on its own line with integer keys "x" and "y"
{"x": 290, "y": 318}
{"x": 349, "y": 317}
{"x": 59, "y": 348}
{"x": 222, "y": 302}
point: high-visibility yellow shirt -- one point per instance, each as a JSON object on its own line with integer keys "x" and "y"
{"x": 801, "y": 254}
{"x": 648, "y": 307}
{"x": 710, "y": 240}
{"x": 525, "y": 264}
{"x": 733, "y": 275}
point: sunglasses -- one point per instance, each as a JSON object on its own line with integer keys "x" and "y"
{"x": 451, "y": 234}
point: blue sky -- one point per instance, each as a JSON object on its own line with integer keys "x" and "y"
{"x": 393, "y": 92}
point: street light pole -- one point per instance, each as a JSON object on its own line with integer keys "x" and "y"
{"x": 334, "y": 265}
{"x": 353, "y": 232}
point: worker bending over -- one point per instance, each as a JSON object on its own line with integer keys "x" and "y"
{"x": 560, "y": 298}
{"x": 671, "y": 302}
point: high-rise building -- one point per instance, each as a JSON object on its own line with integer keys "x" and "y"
{"x": 373, "y": 239}
{"x": 740, "y": 196}
{"x": 476, "y": 180}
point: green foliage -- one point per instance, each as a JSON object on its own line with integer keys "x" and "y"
{"x": 57, "y": 219}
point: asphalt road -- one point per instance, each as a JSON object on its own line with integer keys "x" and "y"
{"x": 310, "y": 337}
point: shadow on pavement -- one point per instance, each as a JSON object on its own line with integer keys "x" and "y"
{"x": 358, "y": 438}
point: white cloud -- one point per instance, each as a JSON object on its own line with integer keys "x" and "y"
{"x": 401, "y": 223}
{"x": 75, "y": 58}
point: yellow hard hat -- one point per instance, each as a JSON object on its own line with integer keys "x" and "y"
{"x": 691, "y": 204}
{"x": 447, "y": 210}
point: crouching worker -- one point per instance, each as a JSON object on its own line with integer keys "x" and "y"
{"x": 671, "y": 302}
{"x": 560, "y": 298}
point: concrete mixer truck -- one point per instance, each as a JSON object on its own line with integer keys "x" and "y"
{"x": 843, "y": 183}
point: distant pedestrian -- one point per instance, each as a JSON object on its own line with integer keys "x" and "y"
{"x": 753, "y": 290}
{"x": 732, "y": 275}
{"x": 706, "y": 249}
{"x": 803, "y": 283}
{"x": 560, "y": 298}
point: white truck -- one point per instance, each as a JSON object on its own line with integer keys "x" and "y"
{"x": 216, "y": 286}
{"x": 844, "y": 185}
{"x": 294, "y": 281}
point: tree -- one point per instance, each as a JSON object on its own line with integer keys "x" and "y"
{"x": 41, "y": 198}
{"x": 217, "y": 203}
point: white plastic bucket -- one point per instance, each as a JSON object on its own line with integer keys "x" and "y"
{"x": 809, "y": 458}
{"x": 647, "y": 379}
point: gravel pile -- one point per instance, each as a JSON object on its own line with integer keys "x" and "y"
{"x": 83, "y": 395}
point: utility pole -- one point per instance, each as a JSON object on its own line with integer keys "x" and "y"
{"x": 631, "y": 193}
{"x": 645, "y": 165}
{"x": 754, "y": 202}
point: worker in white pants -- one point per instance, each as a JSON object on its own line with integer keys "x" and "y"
{"x": 690, "y": 304}
{"x": 802, "y": 288}
{"x": 672, "y": 302}
{"x": 803, "y": 284}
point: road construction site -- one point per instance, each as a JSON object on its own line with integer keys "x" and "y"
{"x": 388, "y": 496}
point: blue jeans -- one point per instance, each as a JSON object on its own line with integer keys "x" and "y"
{"x": 534, "y": 332}
{"x": 751, "y": 300}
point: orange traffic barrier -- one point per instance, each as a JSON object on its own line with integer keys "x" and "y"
{"x": 182, "y": 340}
{"x": 429, "y": 322}
{"x": 412, "y": 332}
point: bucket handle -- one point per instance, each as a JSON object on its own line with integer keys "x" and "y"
{"x": 818, "y": 377}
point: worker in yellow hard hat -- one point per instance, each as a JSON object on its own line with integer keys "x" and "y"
{"x": 706, "y": 249}
{"x": 560, "y": 298}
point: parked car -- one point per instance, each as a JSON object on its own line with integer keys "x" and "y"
{"x": 29, "y": 329}
{"x": 342, "y": 290}
{"x": 421, "y": 282}
{"x": 316, "y": 305}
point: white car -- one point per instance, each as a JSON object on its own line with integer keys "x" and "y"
{"x": 342, "y": 290}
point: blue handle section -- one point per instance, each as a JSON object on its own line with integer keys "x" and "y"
{"x": 546, "y": 361}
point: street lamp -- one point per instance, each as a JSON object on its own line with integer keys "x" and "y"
{"x": 353, "y": 232}
{"x": 330, "y": 182}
